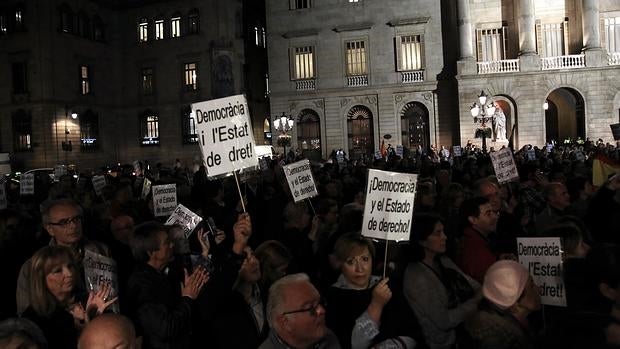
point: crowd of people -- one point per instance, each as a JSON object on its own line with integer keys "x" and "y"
{"x": 262, "y": 271}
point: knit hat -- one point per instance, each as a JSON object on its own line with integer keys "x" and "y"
{"x": 504, "y": 282}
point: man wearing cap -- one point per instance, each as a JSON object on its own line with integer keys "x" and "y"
{"x": 510, "y": 295}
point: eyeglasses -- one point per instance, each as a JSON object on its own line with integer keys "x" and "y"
{"x": 313, "y": 310}
{"x": 65, "y": 222}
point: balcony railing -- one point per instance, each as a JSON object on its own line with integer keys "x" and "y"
{"x": 357, "y": 80}
{"x": 503, "y": 66}
{"x": 305, "y": 85}
{"x": 563, "y": 62}
{"x": 408, "y": 77}
{"x": 614, "y": 58}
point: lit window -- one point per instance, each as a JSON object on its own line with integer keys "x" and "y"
{"x": 190, "y": 135}
{"x": 191, "y": 77}
{"x": 159, "y": 29}
{"x": 147, "y": 81}
{"x": 143, "y": 30}
{"x": 2, "y": 23}
{"x": 355, "y": 58}
{"x": 150, "y": 129}
{"x": 360, "y": 132}
{"x": 410, "y": 53}
{"x": 611, "y": 35}
{"x": 552, "y": 39}
{"x": 259, "y": 36}
{"x": 175, "y": 27}
{"x": 309, "y": 130}
{"x": 194, "y": 22}
{"x": 19, "y": 21}
{"x": 19, "y": 71}
{"x": 267, "y": 91}
{"x": 299, "y": 4}
{"x": 491, "y": 44}
{"x": 354, "y": 0}
{"x": 303, "y": 64}
{"x": 89, "y": 131}
{"x": 22, "y": 131}
{"x": 85, "y": 80}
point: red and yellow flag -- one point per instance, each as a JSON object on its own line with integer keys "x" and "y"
{"x": 602, "y": 168}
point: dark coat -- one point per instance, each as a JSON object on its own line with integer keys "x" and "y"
{"x": 59, "y": 328}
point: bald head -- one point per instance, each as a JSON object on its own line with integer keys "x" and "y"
{"x": 108, "y": 331}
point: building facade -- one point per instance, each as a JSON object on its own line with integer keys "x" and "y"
{"x": 99, "y": 82}
{"x": 354, "y": 74}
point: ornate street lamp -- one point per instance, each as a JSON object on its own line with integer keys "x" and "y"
{"x": 283, "y": 124}
{"x": 483, "y": 112}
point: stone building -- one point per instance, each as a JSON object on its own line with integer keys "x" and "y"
{"x": 354, "y": 74}
{"x": 99, "y": 82}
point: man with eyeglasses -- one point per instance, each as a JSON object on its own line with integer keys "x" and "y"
{"x": 296, "y": 316}
{"x": 62, "y": 219}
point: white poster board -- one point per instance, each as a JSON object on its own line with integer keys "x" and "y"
{"x": 26, "y": 184}
{"x": 504, "y": 166}
{"x": 99, "y": 270}
{"x": 399, "y": 150}
{"x": 389, "y": 205}
{"x": 185, "y": 218}
{"x": 378, "y": 155}
{"x": 543, "y": 258}
{"x": 225, "y": 134}
{"x": 99, "y": 184}
{"x": 3, "y": 200}
{"x": 300, "y": 180}
{"x": 457, "y": 150}
{"x": 146, "y": 188}
{"x": 164, "y": 199}
{"x": 530, "y": 154}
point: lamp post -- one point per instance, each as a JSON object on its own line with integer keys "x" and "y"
{"x": 483, "y": 112}
{"x": 66, "y": 144}
{"x": 283, "y": 124}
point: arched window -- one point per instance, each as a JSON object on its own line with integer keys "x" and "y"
{"x": 414, "y": 126}
{"x": 66, "y": 19}
{"x": 308, "y": 130}
{"x": 89, "y": 131}
{"x": 98, "y": 29}
{"x": 149, "y": 128}
{"x": 360, "y": 132}
{"x": 193, "y": 19}
{"x": 22, "y": 130}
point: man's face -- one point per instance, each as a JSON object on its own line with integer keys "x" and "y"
{"x": 65, "y": 224}
{"x": 163, "y": 255}
{"x": 491, "y": 192}
{"x": 486, "y": 222}
{"x": 307, "y": 326}
{"x": 560, "y": 198}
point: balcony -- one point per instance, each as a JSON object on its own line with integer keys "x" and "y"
{"x": 408, "y": 77}
{"x": 357, "y": 81}
{"x": 563, "y": 62}
{"x": 503, "y": 66}
{"x": 614, "y": 58}
{"x": 305, "y": 85}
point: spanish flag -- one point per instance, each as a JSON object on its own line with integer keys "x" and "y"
{"x": 602, "y": 168}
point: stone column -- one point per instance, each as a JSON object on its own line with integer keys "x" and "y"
{"x": 465, "y": 32}
{"x": 590, "y": 20}
{"x": 527, "y": 27}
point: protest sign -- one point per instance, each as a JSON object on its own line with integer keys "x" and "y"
{"x": 264, "y": 151}
{"x": 146, "y": 188}
{"x": 59, "y": 171}
{"x": 164, "y": 199}
{"x": 26, "y": 184}
{"x": 100, "y": 270}
{"x": 3, "y": 200}
{"x": 530, "y": 154}
{"x": 543, "y": 258}
{"x": 615, "y": 131}
{"x": 504, "y": 166}
{"x": 182, "y": 216}
{"x": 389, "y": 204}
{"x": 457, "y": 150}
{"x": 378, "y": 155}
{"x": 300, "y": 180}
{"x": 399, "y": 150}
{"x": 225, "y": 134}
{"x": 99, "y": 184}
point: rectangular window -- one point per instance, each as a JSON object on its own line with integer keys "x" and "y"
{"x": 259, "y": 36}
{"x": 159, "y": 29}
{"x": 20, "y": 77}
{"x": 611, "y": 34}
{"x": 410, "y": 53}
{"x": 303, "y": 63}
{"x": 491, "y": 44}
{"x": 552, "y": 39}
{"x": 19, "y": 22}
{"x": 175, "y": 27}
{"x": 143, "y": 30}
{"x": 3, "y": 23}
{"x": 355, "y": 58}
{"x": 194, "y": 23}
{"x": 85, "y": 80}
{"x": 190, "y": 135}
{"x": 147, "y": 81}
{"x": 191, "y": 77}
{"x": 354, "y": 0}
{"x": 22, "y": 131}
{"x": 150, "y": 130}
{"x": 299, "y": 4}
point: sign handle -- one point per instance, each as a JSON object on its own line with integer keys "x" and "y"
{"x": 311, "y": 206}
{"x": 387, "y": 242}
{"x": 239, "y": 190}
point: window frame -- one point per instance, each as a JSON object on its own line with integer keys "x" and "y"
{"x": 149, "y": 129}
{"x": 175, "y": 26}
{"x": 193, "y": 21}
{"x": 365, "y": 64}
{"x": 294, "y": 52}
{"x": 143, "y": 81}
{"x": 190, "y": 82}
{"x": 188, "y": 124}
{"x": 143, "y": 30}
{"x": 300, "y": 4}
{"x": 86, "y": 80}
{"x": 540, "y": 37}
{"x": 400, "y": 66}
{"x": 605, "y": 40}
{"x": 159, "y": 28}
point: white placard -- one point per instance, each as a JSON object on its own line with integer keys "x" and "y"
{"x": 457, "y": 150}
{"x": 3, "y": 200}
{"x": 99, "y": 270}
{"x": 185, "y": 218}
{"x": 389, "y": 205}
{"x": 531, "y": 154}
{"x": 59, "y": 171}
{"x": 264, "y": 150}
{"x": 164, "y": 199}
{"x": 399, "y": 150}
{"x": 26, "y": 184}
{"x": 99, "y": 184}
{"x": 300, "y": 180}
{"x": 543, "y": 258}
{"x": 225, "y": 134}
{"x": 504, "y": 166}
{"x": 378, "y": 155}
{"x": 146, "y": 188}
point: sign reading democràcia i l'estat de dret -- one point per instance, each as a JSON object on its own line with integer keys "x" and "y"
{"x": 300, "y": 180}
{"x": 101, "y": 270}
{"x": 504, "y": 166}
{"x": 543, "y": 258}
{"x": 26, "y": 184}
{"x": 389, "y": 205}
{"x": 185, "y": 218}
{"x": 225, "y": 134}
{"x": 164, "y": 199}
